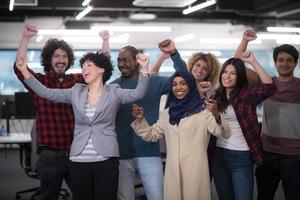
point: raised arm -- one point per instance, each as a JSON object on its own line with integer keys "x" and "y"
{"x": 58, "y": 95}
{"x": 28, "y": 32}
{"x": 248, "y": 36}
{"x": 105, "y": 42}
{"x": 262, "y": 74}
{"x": 168, "y": 46}
{"x": 131, "y": 95}
{"x": 162, "y": 57}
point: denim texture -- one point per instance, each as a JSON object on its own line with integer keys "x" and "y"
{"x": 233, "y": 174}
{"x": 150, "y": 170}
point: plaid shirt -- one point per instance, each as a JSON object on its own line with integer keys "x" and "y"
{"x": 245, "y": 109}
{"x": 54, "y": 121}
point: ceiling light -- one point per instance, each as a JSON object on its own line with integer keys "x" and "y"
{"x": 163, "y": 3}
{"x": 225, "y": 41}
{"x": 84, "y": 12}
{"x": 184, "y": 38}
{"x": 86, "y": 2}
{"x": 142, "y": 16}
{"x": 288, "y": 41}
{"x": 156, "y": 29}
{"x": 283, "y": 29}
{"x": 198, "y": 7}
{"x": 86, "y": 32}
{"x": 280, "y": 38}
{"x": 271, "y": 36}
{"x": 11, "y": 5}
{"x": 120, "y": 39}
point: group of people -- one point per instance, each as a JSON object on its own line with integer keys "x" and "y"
{"x": 97, "y": 136}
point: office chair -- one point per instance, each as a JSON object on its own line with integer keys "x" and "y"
{"x": 28, "y": 161}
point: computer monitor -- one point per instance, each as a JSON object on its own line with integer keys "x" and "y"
{"x": 24, "y": 105}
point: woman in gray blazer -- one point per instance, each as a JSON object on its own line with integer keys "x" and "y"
{"x": 94, "y": 150}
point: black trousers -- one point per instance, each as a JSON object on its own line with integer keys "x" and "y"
{"x": 95, "y": 180}
{"x": 278, "y": 168}
{"x": 53, "y": 168}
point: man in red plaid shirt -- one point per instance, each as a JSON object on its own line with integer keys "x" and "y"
{"x": 54, "y": 121}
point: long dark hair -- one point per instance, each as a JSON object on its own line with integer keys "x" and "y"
{"x": 241, "y": 82}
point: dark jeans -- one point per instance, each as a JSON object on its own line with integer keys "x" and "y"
{"x": 233, "y": 174}
{"x": 278, "y": 167}
{"x": 95, "y": 180}
{"x": 53, "y": 168}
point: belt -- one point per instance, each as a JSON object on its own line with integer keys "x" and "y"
{"x": 53, "y": 152}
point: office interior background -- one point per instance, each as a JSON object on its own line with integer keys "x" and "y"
{"x": 216, "y": 28}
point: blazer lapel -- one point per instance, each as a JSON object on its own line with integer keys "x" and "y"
{"x": 101, "y": 104}
{"x": 82, "y": 102}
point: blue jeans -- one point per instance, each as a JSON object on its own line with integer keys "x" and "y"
{"x": 233, "y": 174}
{"x": 150, "y": 170}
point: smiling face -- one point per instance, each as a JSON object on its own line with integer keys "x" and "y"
{"x": 200, "y": 70}
{"x": 59, "y": 62}
{"x": 90, "y": 71}
{"x": 179, "y": 87}
{"x": 285, "y": 65}
{"x": 127, "y": 64}
{"x": 229, "y": 77}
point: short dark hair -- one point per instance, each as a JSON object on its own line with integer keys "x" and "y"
{"x": 132, "y": 50}
{"x": 101, "y": 61}
{"x": 48, "y": 51}
{"x": 286, "y": 48}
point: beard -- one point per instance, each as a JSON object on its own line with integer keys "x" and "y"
{"x": 59, "y": 74}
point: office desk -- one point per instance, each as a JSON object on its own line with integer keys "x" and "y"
{"x": 15, "y": 138}
{"x": 22, "y": 139}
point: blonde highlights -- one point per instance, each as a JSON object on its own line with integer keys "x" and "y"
{"x": 212, "y": 64}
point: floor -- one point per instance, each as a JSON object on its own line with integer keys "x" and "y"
{"x": 13, "y": 179}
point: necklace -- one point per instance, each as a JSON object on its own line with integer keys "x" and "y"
{"x": 93, "y": 96}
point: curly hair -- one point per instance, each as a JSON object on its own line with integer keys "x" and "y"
{"x": 101, "y": 61}
{"x": 49, "y": 49}
{"x": 212, "y": 64}
{"x": 241, "y": 82}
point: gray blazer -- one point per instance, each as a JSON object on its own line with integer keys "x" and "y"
{"x": 102, "y": 127}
